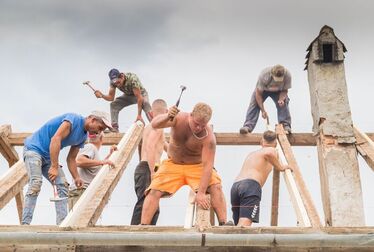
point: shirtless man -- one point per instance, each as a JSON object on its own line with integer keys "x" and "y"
{"x": 247, "y": 188}
{"x": 191, "y": 153}
{"x": 151, "y": 151}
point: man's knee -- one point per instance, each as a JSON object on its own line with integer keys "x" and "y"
{"x": 34, "y": 187}
{"x": 113, "y": 105}
{"x": 216, "y": 188}
{"x": 154, "y": 194}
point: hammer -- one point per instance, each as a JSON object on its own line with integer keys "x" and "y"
{"x": 55, "y": 197}
{"x": 88, "y": 84}
{"x": 177, "y": 103}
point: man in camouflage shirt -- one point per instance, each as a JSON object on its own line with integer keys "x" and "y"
{"x": 133, "y": 93}
{"x": 274, "y": 82}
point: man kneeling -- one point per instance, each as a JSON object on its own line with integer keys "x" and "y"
{"x": 191, "y": 156}
{"x": 247, "y": 188}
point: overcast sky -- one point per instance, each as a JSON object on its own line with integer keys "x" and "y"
{"x": 215, "y": 48}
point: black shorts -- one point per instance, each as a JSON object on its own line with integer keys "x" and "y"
{"x": 245, "y": 200}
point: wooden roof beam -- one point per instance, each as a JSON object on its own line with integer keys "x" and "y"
{"x": 365, "y": 146}
{"x": 92, "y": 202}
{"x": 300, "y": 184}
{"x": 9, "y": 189}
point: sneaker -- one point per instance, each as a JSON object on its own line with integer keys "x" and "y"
{"x": 245, "y": 130}
{"x": 112, "y": 130}
{"x": 287, "y": 129}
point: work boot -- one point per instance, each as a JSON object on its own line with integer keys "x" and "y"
{"x": 114, "y": 129}
{"x": 245, "y": 130}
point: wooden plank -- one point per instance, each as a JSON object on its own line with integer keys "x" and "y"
{"x": 203, "y": 217}
{"x": 296, "y": 139}
{"x": 301, "y": 213}
{"x": 190, "y": 211}
{"x": 12, "y": 183}
{"x": 301, "y": 186}
{"x": 91, "y": 204}
{"x": 365, "y": 147}
{"x": 275, "y": 198}
{"x": 11, "y": 155}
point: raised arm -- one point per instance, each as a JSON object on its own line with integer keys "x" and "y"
{"x": 164, "y": 120}
{"x": 109, "y": 96}
{"x": 54, "y": 148}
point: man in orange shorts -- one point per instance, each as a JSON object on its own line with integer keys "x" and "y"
{"x": 191, "y": 153}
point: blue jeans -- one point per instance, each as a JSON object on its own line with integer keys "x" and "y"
{"x": 126, "y": 100}
{"x": 37, "y": 166}
{"x": 253, "y": 112}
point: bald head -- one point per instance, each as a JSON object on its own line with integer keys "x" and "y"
{"x": 269, "y": 137}
{"x": 159, "y": 106}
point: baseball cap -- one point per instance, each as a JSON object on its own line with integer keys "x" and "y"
{"x": 102, "y": 116}
{"x": 277, "y": 72}
{"x": 113, "y": 75}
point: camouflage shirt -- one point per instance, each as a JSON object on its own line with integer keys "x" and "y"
{"x": 266, "y": 83}
{"x": 132, "y": 81}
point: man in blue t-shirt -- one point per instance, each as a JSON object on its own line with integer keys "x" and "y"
{"x": 41, "y": 153}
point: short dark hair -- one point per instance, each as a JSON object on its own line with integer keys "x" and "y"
{"x": 269, "y": 136}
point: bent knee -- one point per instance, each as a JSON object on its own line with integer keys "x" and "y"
{"x": 215, "y": 188}
{"x": 155, "y": 193}
{"x": 34, "y": 187}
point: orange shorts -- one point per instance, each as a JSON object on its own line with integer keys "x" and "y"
{"x": 170, "y": 177}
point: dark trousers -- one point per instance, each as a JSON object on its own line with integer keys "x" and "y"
{"x": 253, "y": 111}
{"x": 142, "y": 179}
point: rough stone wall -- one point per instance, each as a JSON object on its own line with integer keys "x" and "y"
{"x": 342, "y": 187}
{"x": 329, "y": 101}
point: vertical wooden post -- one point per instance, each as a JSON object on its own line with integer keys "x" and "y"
{"x": 332, "y": 123}
{"x": 275, "y": 198}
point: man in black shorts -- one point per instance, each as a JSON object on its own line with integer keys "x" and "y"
{"x": 246, "y": 190}
{"x": 153, "y": 145}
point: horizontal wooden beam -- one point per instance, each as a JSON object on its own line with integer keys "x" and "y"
{"x": 295, "y": 139}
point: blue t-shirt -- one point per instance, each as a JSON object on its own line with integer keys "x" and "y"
{"x": 41, "y": 139}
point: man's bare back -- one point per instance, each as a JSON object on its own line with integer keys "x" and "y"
{"x": 186, "y": 147}
{"x": 257, "y": 165}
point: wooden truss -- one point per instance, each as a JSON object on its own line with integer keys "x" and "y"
{"x": 90, "y": 206}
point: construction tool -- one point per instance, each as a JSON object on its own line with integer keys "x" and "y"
{"x": 268, "y": 127}
{"x": 88, "y": 83}
{"x": 177, "y": 103}
{"x": 55, "y": 197}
